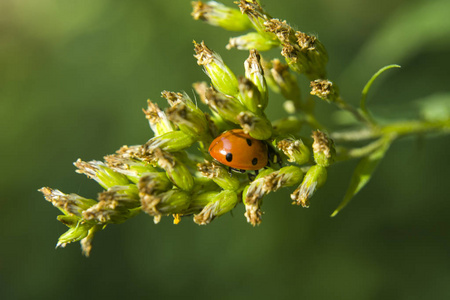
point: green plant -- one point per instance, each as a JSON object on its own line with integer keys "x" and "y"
{"x": 173, "y": 174}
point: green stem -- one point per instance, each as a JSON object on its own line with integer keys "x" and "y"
{"x": 415, "y": 127}
{"x": 352, "y": 153}
{"x": 362, "y": 117}
{"x": 391, "y": 131}
{"x": 398, "y": 128}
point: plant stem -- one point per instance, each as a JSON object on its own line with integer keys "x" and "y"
{"x": 415, "y": 127}
{"x": 393, "y": 131}
{"x": 362, "y": 117}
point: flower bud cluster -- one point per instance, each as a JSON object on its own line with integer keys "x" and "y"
{"x": 240, "y": 101}
{"x": 174, "y": 174}
{"x": 304, "y": 54}
{"x": 267, "y": 181}
{"x": 324, "y": 155}
{"x": 282, "y": 81}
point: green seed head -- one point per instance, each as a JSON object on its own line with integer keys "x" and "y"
{"x": 219, "y": 175}
{"x": 317, "y": 56}
{"x": 132, "y": 168}
{"x": 267, "y": 181}
{"x": 295, "y": 150}
{"x": 200, "y": 200}
{"x": 254, "y": 72}
{"x": 176, "y": 171}
{"x": 249, "y": 95}
{"x": 165, "y": 203}
{"x": 222, "y": 203}
{"x": 217, "y": 14}
{"x": 159, "y": 123}
{"x": 86, "y": 243}
{"x": 303, "y": 53}
{"x": 171, "y": 141}
{"x": 189, "y": 121}
{"x": 70, "y": 204}
{"x": 257, "y": 16}
{"x": 314, "y": 179}
{"x": 123, "y": 196}
{"x": 252, "y": 40}
{"x": 323, "y": 148}
{"x": 270, "y": 181}
{"x": 226, "y": 107}
{"x": 153, "y": 183}
{"x": 257, "y": 126}
{"x": 222, "y": 78}
{"x": 74, "y": 234}
{"x": 101, "y": 173}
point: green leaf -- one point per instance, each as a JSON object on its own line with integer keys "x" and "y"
{"x": 366, "y": 88}
{"x": 363, "y": 172}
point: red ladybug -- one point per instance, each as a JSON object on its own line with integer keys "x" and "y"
{"x": 239, "y": 151}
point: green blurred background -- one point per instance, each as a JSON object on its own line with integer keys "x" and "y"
{"x": 74, "y": 76}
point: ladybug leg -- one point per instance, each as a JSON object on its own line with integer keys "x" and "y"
{"x": 251, "y": 176}
{"x": 235, "y": 170}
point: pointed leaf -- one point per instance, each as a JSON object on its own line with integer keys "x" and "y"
{"x": 366, "y": 88}
{"x": 363, "y": 173}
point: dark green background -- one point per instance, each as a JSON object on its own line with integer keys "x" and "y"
{"x": 74, "y": 76}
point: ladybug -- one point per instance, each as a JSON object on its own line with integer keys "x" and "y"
{"x": 239, "y": 151}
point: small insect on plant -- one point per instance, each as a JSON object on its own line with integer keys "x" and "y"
{"x": 240, "y": 152}
{"x": 166, "y": 177}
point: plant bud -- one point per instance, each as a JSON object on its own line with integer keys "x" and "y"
{"x": 258, "y": 127}
{"x": 165, "y": 203}
{"x": 70, "y": 204}
{"x": 314, "y": 179}
{"x": 249, "y": 95}
{"x": 171, "y": 141}
{"x": 101, "y": 173}
{"x": 219, "y": 205}
{"x": 226, "y": 107}
{"x": 222, "y": 78}
{"x": 219, "y": 174}
{"x": 176, "y": 171}
{"x": 323, "y": 149}
{"x": 295, "y": 150}
{"x": 159, "y": 123}
{"x": 74, "y": 234}
{"x": 254, "y": 72}
{"x": 132, "y": 168}
{"x": 252, "y": 40}
{"x": 217, "y": 14}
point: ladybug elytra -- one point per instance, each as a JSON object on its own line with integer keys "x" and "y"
{"x": 239, "y": 151}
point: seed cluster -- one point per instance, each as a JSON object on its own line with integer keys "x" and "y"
{"x": 165, "y": 177}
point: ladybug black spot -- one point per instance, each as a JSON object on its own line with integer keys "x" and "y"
{"x": 229, "y": 157}
{"x": 249, "y": 142}
{"x": 254, "y": 161}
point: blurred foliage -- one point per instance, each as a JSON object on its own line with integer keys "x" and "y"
{"x": 73, "y": 79}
